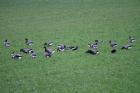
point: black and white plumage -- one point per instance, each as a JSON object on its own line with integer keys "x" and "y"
{"x": 131, "y": 39}
{"x": 49, "y": 43}
{"x": 113, "y": 51}
{"x": 73, "y": 48}
{"x": 112, "y": 43}
{"x": 15, "y": 55}
{"x": 48, "y": 53}
{"x": 93, "y": 46}
{"x": 113, "y": 46}
{"x": 92, "y": 52}
{"x": 28, "y": 42}
{"x": 6, "y": 43}
{"x": 33, "y": 54}
{"x": 61, "y": 47}
{"x": 127, "y": 47}
{"x": 26, "y": 50}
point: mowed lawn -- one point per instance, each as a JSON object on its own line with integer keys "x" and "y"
{"x": 72, "y": 22}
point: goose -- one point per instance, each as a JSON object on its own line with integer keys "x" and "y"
{"x": 112, "y": 43}
{"x": 131, "y": 39}
{"x": 95, "y": 44}
{"x": 26, "y": 50}
{"x": 127, "y": 47}
{"x": 15, "y": 55}
{"x": 48, "y": 53}
{"x": 33, "y": 54}
{"x": 49, "y": 43}
{"x": 28, "y": 42}
{"x": 113, "y": 47}
{"x": 6, "y": 43}
{"x": 73, "y": 48}
{"x": 61, "y": 47}
{"x": 92, "y": 51}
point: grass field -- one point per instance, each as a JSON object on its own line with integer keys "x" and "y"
{"x": 72, "y": 22}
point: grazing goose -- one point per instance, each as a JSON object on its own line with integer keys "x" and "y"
{"x": 127, "y": 47}
{"x": 33, "y": 54}
{"x": 6, "y": 43}
{"x": 73, "y": 48}
{"x": 26, "y": 50}
{"x": 28, "y": 42}
{"x": 61, "y": 47}
{"x": 16, "y": 55}
{"x": 131, "y": 39}
{"x": 48, "y": 53}
{"x": 112, "y": 43}
{"x": 92, "y": 51}
{"x": 49, "y": 43}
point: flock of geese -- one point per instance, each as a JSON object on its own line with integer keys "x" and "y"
{"x": 48, "y": 52}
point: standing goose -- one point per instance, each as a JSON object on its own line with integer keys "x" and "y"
{"x": 48, "y": 53}
{"x": 28, "y": 42}
{"x": 6, "y": 43}
{"x": 16, "y": 55}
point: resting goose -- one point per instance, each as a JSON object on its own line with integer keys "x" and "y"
{"x": 73, "y": 48}
{"x": 92, "y": 51}
{"x": 112, "y": 43}
{"x": 48, "y": 53}
{"x": 6, "y": 43}
{"x": 95, "y": 44}
{"x": 16, "y": 55}
{"x": 131, "y": 39}
{"x": 28, "y": 42}
{"x": 49, "y": 43}
{"x": 61, "y": 47}
{"x": 113, "y": 47}
{"x": 33, "y": 54}
{"x": 26, "y": 50}
{"x": 127, "y": 47}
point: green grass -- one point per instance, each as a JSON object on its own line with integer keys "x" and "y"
{"x": 72, "y": 22}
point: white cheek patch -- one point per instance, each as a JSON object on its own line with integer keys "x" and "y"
{"x": 19, "y": 57}
{"x": 129, "y": 47}
{"x": 30, "y": 44}
{"x": 53, "y": 52}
